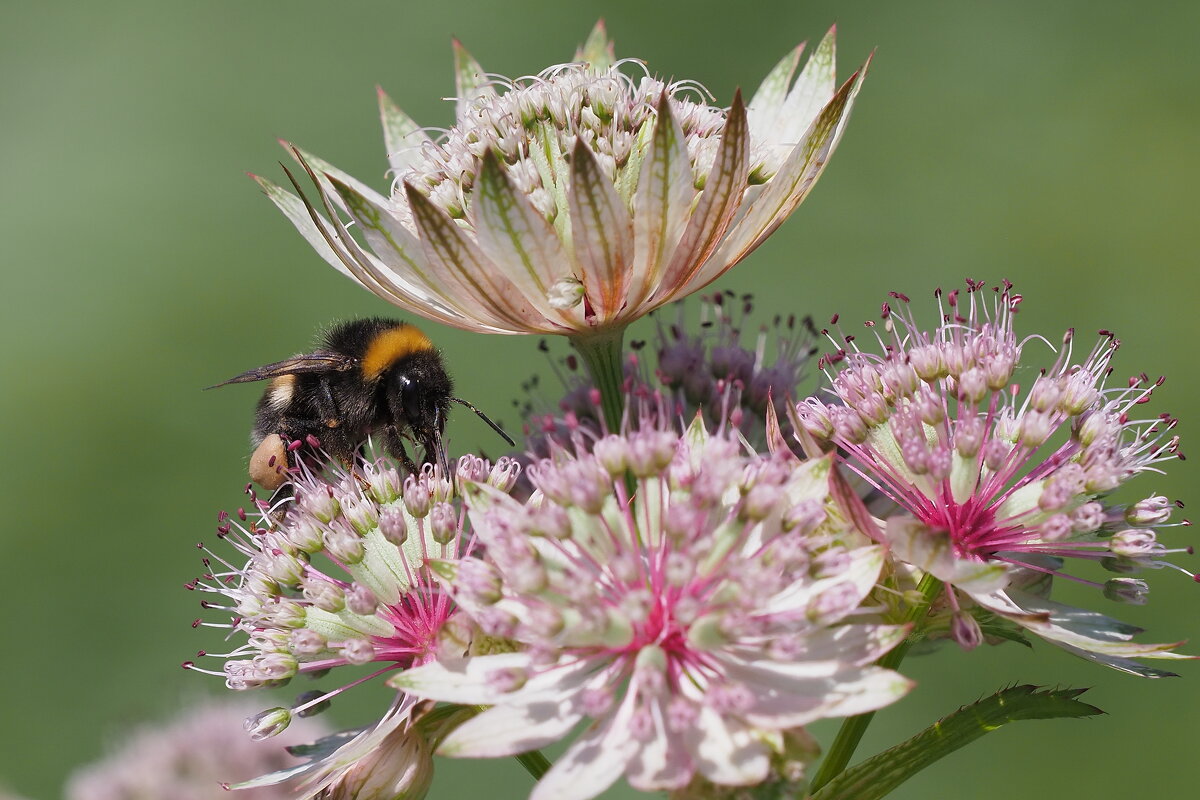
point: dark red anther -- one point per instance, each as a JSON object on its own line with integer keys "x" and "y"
{"x": 197, "y": 622}
{"x": 188, "y": 665}
{"x": 294, "y": 445}
{"x": 223, "y": 530}
{"x": 833, "y": 320}
{"x": 222, "y": 516}
{"x": 241, "y": 512}
{"x": 312, "y": 441}
{"x": 887, "y": 311}
{"x": 572, "y": 363}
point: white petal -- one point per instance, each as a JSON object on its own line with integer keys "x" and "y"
{"x": 470, "y": 81}
{"x": 506, "y": 730}
{"x": 863, "y": 571}
{"x": 787, "y": 188}
{"x": 661, "y": 205}
{"x": 932, "y": 551}
{"x": 765, "y": 106}
{"x": 297, "y": 213}
{"x": 517, "y": 238}
{"x": 1106, "y": 638}
{"x": 594, "y": 762}
{"x": 854, "y": 691}
{"x": 662, "y": 762}
{"x": 402, "y": 136}
{"x": 452, "y": 256}
{"x": 725, "y": 750}
{"x": 601, "y": 235}
{"x": 396, "y": 246}
{"x": 715, "y": 209}
{"x": 813, "y": 89}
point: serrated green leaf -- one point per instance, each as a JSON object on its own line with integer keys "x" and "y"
{"x": 880, "y": 774}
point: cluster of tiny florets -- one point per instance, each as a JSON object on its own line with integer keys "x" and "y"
{"x": 337, "y": 575}
{"x": 677, "y": 589}
{"x": 519, "y": 119}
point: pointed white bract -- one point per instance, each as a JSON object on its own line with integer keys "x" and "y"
{"x": 692, "y": 615}
{"x": 576, "y": 200}
{"x": 1002, "y": 482}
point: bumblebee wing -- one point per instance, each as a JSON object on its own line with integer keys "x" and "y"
{"x": 320, "y": 361}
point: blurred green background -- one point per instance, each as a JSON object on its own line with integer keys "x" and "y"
{"x": 1053, "y": 144}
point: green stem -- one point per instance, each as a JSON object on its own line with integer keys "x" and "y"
{"x": 534, "y": 763}
{"x": 852, "y": 730}
{"x": 602, "y": 355}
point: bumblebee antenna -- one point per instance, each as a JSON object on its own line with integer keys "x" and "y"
{"x": 485, "y": 418}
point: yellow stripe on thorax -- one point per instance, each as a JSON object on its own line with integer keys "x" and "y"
{"x": 391, "y": 346}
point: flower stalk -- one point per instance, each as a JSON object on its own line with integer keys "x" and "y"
{"x": 601, "y": 354}
{"x": 852, "y": 730}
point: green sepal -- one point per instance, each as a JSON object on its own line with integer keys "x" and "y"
{"x": 880, "y": 774}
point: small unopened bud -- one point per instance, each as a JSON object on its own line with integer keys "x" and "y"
{"x": 966, "y": 631}
{"x": 324, "y": 595}
{"x": 266, "y": 724}
{"x": 1127, "y": 590}
{"x": 1133, "y": 542}
{"x": 613, "y": 454}
{"x": 393, "y": 525}
{"x": 1154, "y": 510}
{"x": 443, "y": 523}
{"x": 361, "y": 600}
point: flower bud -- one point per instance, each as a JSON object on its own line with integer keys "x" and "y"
{"x": 266, "y": 724}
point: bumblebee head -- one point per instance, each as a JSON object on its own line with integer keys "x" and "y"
{"x": 418, "y": 392}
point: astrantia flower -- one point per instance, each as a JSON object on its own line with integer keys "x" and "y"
{"x": 1002, "y": 484}
{"x": 189, "y": 757}
{"x": 341, "y": 579}
{"x": 694, "y": 618}
{"x": 713, "y": 371}
{"x": 576, "y": 200}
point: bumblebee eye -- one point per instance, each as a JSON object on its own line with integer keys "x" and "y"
{"x": 410, "y": 398}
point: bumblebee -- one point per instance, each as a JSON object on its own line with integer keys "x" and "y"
{"x": 368, "y": 377}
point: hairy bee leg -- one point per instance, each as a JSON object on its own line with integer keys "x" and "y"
{"x": 393, "y": 442}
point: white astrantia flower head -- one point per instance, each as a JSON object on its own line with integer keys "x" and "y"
{"x": 578, "y": 199}
{"x": 1002, "y": 482}
{"x": 190, "y": 757}
{"x": 695, "y": 614}
{"x": 336, "y": 576}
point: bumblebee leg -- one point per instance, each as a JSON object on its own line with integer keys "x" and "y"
{"x": 393, "y": 442}
{"x": 326, "y": 404}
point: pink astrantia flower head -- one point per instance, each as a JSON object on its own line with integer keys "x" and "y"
{"x": 188, "y": 758}
{"x": 694, "y": 614}
{"x": 336, "y": 576}
{"x": 1000, "y": 481}
{"x": 578, "y": 199}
